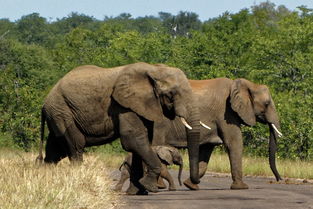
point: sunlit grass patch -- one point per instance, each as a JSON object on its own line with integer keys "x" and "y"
{"x": 287, "y": 168}
{"x": 25, "y": 185}
{"x": 296, "y": 168}
{"x": 257, "y": 166}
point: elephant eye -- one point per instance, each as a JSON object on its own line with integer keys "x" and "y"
{"x": 267, "y": 103}
{"x": 169, "y": 97}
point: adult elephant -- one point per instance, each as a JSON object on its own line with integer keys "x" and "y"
{"x": 91, "y": 106}
{"x": 225, "y": 105}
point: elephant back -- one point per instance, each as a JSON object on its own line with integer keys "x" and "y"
{"x": 82, "y": 96}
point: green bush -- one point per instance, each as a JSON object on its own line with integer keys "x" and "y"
{"x": 265, "y": 44}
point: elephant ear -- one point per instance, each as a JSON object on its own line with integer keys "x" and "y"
{"x": 135, "y": 89}
{"x": 165, "y": 154}
{"x": 240, "y": 99}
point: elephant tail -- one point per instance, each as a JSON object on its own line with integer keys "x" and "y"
{"x": 126, "y": 165}
{"x": 120, "y": 168}
{"x": 39, "y": 159}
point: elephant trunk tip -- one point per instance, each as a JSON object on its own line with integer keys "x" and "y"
{"x": 278, "y": 178}
{"x": 195, "y": 180}
{"x": 275, "y": 172}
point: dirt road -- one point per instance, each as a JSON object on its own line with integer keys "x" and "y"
{"x": 215, "y": 193}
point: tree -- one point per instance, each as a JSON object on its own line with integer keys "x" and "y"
{"x": 33, "y": 29}
{"x": 181, "y": 24}
{"x": 25, "y": 71}
{"x": 6, "y": 28}
{"x": 72, "y": 21}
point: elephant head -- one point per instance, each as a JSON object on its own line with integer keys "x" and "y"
{"x": 253, "y": 103}
{"x": 156, "y": 90}
{"x": 170, "y": 155}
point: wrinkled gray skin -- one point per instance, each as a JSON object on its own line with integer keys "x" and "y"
{"x": 168, "y": 156}
{"x": 224, "y": 106}
{"x": 93, "y": 106}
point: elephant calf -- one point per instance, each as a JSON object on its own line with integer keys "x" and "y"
{"x": 168, "y": 156}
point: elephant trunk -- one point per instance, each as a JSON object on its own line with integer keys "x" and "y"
{"x": 193, "y": 140}
{"x": 180, "y": 172}
{"x": 274, "y": 127}
{"x": 273, "y": 148}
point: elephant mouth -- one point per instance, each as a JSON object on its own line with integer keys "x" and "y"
{"x": 169, "y": 113}
{"x": 261, "y": 119}
{"x": 168, "y": 106}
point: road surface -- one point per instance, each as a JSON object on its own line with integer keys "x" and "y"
{"x": 214, "y": 193}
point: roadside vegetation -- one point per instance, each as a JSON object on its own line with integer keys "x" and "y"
{"x": 259, "y": 166}
{"x": 266, "y": 44}
{"x": 253, "y": 165}
{"x": 26, "y": 185}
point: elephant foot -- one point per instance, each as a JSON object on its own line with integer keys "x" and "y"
{"x": 161, "y": 184}
{"x": 172, "y": 189}
{"x": 117, "y": 189}
{"x": 132, "y": 190}
{"x": 191, "y": 185}
{"x": 239, "y": 185}
{"x": 150, "y": 183}
{"x": 76, "y": 162}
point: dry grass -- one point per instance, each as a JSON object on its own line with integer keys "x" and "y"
{"x": 25, "y": 185}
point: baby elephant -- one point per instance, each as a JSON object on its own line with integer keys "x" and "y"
{"x": 168, "y": 156}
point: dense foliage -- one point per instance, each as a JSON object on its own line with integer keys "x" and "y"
{"x": 266, "y": 44}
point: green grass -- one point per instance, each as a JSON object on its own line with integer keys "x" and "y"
{"x": 6, "y": 140}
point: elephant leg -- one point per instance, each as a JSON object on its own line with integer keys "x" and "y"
{"x": 76, "y": 143}
{"x": 205, "y": 152}
{"x": 166, "y": 175}
{"x": 134, "y": 138}
{"x": 161, "y": 184}
{"x": 56, "y": 149}
{"x": 136, "y": 173}
{"x": 124, "y": 176}
{"x": 234, "y": 146}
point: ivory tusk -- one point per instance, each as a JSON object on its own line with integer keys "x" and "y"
{"x": 185, "y": 123}
{"x": 278, "y": 132}
{"x": 205, "y": 126}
